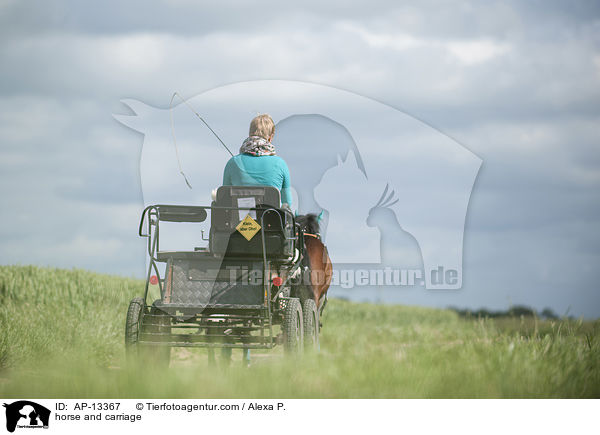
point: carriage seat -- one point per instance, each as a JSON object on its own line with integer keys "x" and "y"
{"x": 277, "y": 225}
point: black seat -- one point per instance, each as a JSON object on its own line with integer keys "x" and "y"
{"x": 276, "y": 224}
{"x": 181, "y": 213}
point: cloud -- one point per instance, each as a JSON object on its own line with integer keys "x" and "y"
{"x": 472, "y": 52}
{"x": 517, "y": 83}
{"x": 468, "y": 51}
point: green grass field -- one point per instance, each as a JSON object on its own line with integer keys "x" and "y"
{"x": 61, "y": 336}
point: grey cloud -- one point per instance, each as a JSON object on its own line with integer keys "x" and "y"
{"x": 530, "y": 111}
{"x": 531, "y": 79}
{"x": 446, "y": 19}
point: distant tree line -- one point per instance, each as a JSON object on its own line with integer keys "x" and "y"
{"x": 514, "y": 311}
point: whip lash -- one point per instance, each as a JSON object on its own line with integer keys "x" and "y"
{"x": 175, "y": 140}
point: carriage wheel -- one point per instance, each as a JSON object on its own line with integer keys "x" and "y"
{"x": 310, "y": 318}
{"x": 134, "y": 326}
{"x": 293, "y": 327}
{"x": 135, "y": 314}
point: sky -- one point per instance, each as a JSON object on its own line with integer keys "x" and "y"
{"x": 516, "y": 83}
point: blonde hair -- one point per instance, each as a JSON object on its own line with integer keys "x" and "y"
{"x": 262, "y": 126}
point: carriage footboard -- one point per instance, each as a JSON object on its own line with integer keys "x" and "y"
{"x": 214, "y": 327}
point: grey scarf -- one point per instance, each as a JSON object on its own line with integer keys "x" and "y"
{"x": 257, "y": 146}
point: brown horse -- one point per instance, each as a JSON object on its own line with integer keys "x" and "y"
{"x": 316, "y": 258}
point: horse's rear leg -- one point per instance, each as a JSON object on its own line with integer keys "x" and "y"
{"x": 322, "y": 303}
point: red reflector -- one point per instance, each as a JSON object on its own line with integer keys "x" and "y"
{"x": 153, "y": 280}
{"x": 277, "y": 281}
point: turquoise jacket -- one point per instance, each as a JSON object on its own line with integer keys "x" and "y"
{"x": 248, "y": 170}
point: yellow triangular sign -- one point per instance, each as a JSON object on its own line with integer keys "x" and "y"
{"x": 248, "y": 227}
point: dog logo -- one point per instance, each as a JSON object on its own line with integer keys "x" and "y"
{"x": 26, "y": 414}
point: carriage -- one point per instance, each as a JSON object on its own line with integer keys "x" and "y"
{"x": 248, "y": 288}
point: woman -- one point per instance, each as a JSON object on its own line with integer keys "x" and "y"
{"x": 257, "y": 164}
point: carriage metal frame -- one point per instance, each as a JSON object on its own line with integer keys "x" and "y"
{"x": 230, "y": 315}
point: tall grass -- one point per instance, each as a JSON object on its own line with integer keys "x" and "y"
{"x": 61, "y": 335}
{"x": 50, "y": 313}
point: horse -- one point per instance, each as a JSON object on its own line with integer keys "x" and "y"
{"x": 316, "y": 260}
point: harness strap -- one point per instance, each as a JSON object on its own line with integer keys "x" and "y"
{"x": 317, "y": 236}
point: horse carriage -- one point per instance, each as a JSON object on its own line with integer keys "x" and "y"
{"x": 250, "y": 287}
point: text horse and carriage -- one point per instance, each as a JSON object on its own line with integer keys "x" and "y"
{"x": 261, "y": 281}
